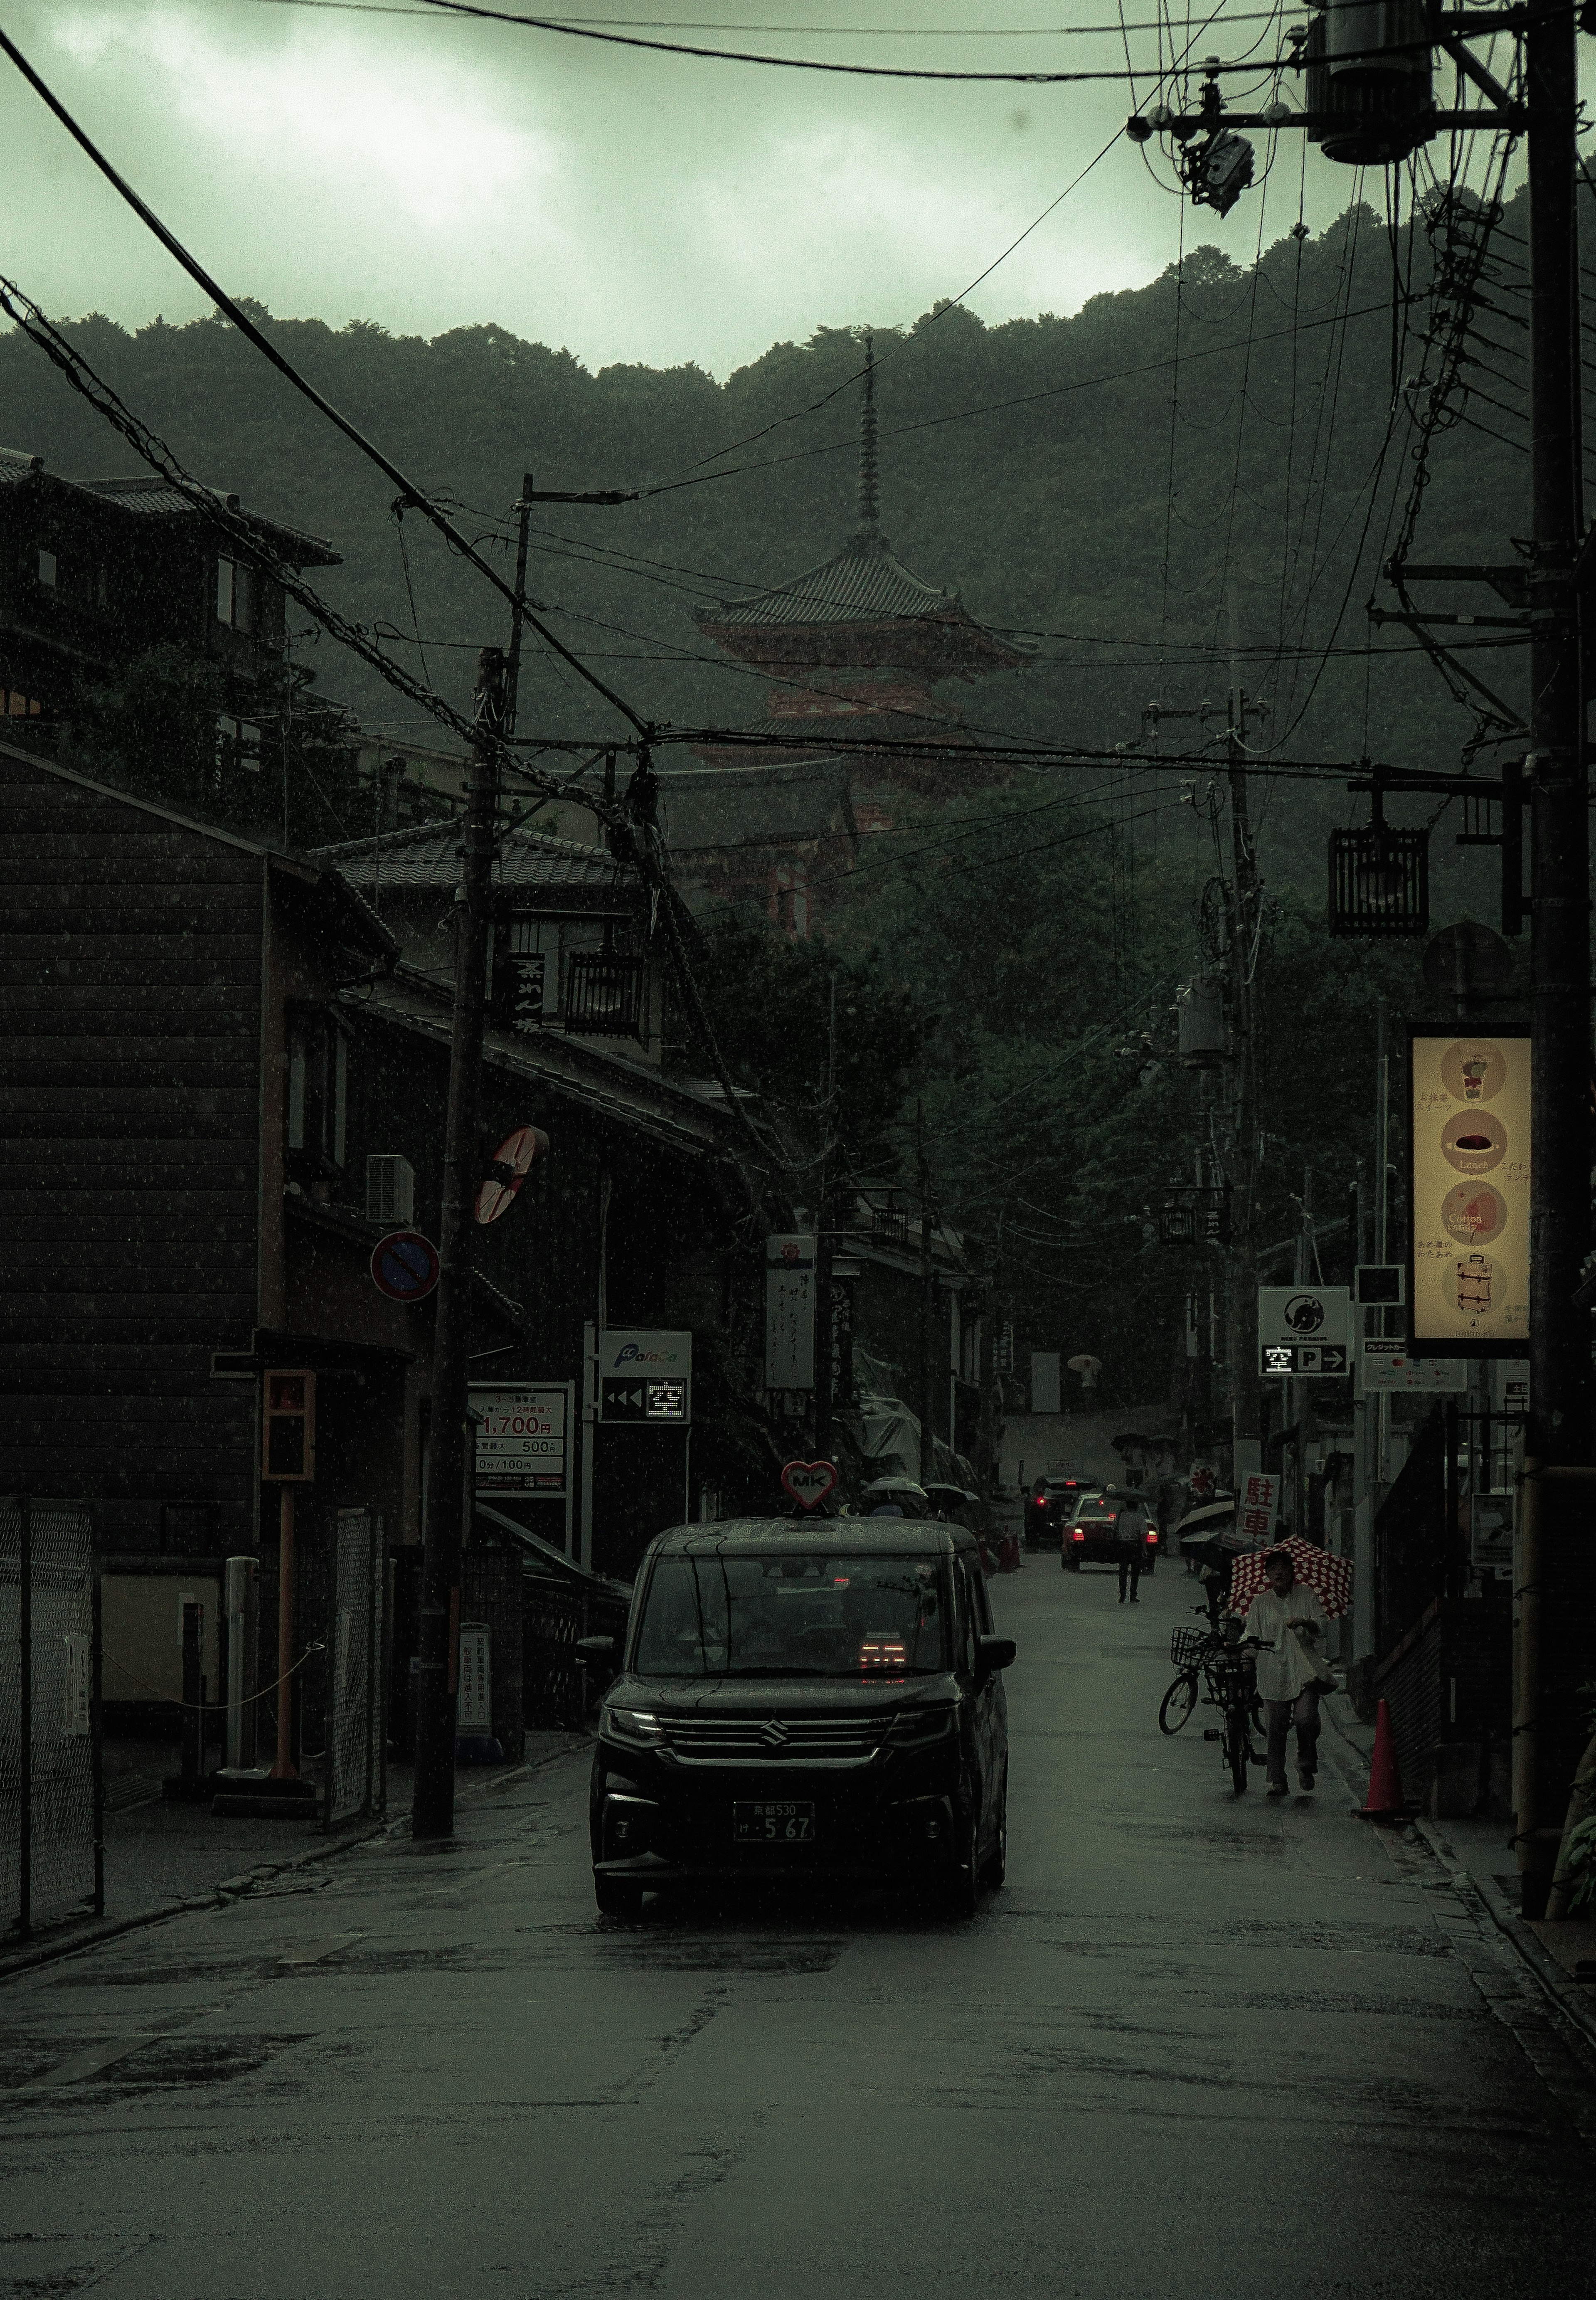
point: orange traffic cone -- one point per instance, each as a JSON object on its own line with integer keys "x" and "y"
{"x": 1385, "y": 1800}
{"x": 1008, "y": 1554}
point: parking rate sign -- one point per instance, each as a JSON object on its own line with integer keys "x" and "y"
{"x": 521, "y": 1438}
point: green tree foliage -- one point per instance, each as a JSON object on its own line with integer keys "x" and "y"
{"x": 792, "y": 1017}
{"x": 166, "y": 730}
{"x": 1215, "y": 460}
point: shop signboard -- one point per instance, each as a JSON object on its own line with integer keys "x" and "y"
{"x": 1384, "y": 1364}
{"x": 1469, "y": 1152}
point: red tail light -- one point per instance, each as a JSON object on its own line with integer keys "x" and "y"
{"x": 1152, "y": 1540}
{"x": 1077, "y": 1533}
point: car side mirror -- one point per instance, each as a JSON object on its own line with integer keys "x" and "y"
{"x": 596, "y": 1648}
{"x": 993, "y": 1653}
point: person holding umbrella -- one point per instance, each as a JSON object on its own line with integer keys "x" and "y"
{"x": 1288, "y": 1621}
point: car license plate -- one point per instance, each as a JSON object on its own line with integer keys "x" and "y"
{"x": 778, "y": 1821}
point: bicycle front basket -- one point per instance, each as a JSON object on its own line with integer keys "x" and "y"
{"x": 1188, "y": 1648}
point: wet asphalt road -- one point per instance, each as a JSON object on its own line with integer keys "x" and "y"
{"x": 1198, "y": 2045}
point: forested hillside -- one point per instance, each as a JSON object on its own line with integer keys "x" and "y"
{"x": 1212, "y": 461}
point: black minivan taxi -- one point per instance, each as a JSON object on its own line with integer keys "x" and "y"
{"x": 817, "y": 1699}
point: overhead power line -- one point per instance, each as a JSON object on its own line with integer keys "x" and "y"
{"x": 1025, "y": 399}
{"x": 413, "y": 494}
{"x": 1163, "y": 24}
{"x": 588, "y": 31}
{"x": 245, "y": 537}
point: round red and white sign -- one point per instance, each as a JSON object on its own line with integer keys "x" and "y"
{"x": 512, "y": 1163}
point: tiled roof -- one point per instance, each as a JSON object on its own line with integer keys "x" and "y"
{"x": 864, "y": 583}
{"x": 156, "y": 497}
{"x": 153, "y": 496}
{"x": 672, "y": 1110}
{"x": 428, "y": 856}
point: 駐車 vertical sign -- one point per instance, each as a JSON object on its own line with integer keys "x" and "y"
{"x": 1470, "y": 1176}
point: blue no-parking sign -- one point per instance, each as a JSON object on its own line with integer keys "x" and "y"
{"x": 404, "y": 1265}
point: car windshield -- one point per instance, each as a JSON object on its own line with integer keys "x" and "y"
{"x": 801, "y": 1614}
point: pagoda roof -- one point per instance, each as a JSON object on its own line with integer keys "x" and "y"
{"x": 863, "y": 583}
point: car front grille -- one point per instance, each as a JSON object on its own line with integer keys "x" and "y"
{"x": 832, "y": 1741}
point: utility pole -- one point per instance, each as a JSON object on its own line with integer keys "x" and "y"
{"x": 513, "y": 674}
{"x": 825, "y": 1391}
{"x": 1244, "y": 1386}
{"x": 433, "y": 1810}
{"x": 1554, "y": 1655}
{"x": 928, "y": 1289}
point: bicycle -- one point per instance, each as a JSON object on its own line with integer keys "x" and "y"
{"x": 1230, "y": 1689}
{"x": 1227, "y": 1686}
{"x": 1191, "y": 1651}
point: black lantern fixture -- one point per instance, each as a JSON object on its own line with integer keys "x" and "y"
{"x": 1380, "y": 879}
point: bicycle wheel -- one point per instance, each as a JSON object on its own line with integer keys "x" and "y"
{"x": 1236, "y": 1748}
{"x": 1178, "y": 1702}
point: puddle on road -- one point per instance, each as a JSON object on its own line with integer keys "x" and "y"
{"x": 659, "y": 1951}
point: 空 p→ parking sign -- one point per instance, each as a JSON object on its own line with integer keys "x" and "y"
{"x": 1303, "y": 1331}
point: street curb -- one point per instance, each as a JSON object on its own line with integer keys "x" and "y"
{"x": 1543, "y": 1967}
{"x": 232, "y": 1888}
{"x": 1565, "y": 1993}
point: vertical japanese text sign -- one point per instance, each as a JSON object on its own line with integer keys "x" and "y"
{"x": 790, "y": 1312}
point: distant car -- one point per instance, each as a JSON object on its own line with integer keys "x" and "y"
{"x": 802, "y": 1701}
{"x": 1051, "y": 1505}
{"x": 1092, "y": 1536}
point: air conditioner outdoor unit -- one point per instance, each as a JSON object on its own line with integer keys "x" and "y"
{"x": 390, "y": 1191}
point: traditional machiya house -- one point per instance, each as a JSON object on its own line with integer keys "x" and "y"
{"x": 227, "y": 1082}
{"x": 95, "y": 573}
{"x": 171, "y": 995}
{"x": 638, "y": 1218}
{"x": 862, "y": 647}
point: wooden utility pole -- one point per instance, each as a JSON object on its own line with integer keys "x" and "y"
{"x": 927, "y": 1298}
{"x": 433, "y": 1810}
{"x": 1242, "y": 1260}
{"x": 513, "y": 674}
{"x": 1557, "y": 1616}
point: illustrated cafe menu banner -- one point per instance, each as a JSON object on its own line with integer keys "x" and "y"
{"x": 1470, "y": 1195}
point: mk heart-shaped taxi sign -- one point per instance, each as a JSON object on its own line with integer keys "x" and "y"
{"x": 810, "y": 1482}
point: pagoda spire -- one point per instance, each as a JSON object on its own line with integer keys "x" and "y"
{"x": 869, "y": 475}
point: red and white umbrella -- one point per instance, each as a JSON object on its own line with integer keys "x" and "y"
{"x": 1329, "y": 1577}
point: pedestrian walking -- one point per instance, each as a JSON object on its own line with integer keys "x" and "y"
{"x": 1131, "y": 1530}
{"x": 1288, "y": 1621}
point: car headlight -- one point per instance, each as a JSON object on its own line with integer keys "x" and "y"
{"x": 638, "y": 1726}
{"x": 913, "y": 1728}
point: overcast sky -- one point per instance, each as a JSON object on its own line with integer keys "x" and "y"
{"x": 429, "y": 172}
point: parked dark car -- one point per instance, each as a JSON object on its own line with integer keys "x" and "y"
{"x": 1093, "y": 1534}
{"x": 1051, "y": 1505}
{"x": 801, "y": 1701}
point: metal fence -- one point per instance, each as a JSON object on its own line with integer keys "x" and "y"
{"x": 51, "y": 1850}
{"x": 355, "y": 1780}
{"x": 560, "y": 1686}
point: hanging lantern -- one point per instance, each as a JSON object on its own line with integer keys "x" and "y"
{"x": 1380, "y": 879}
